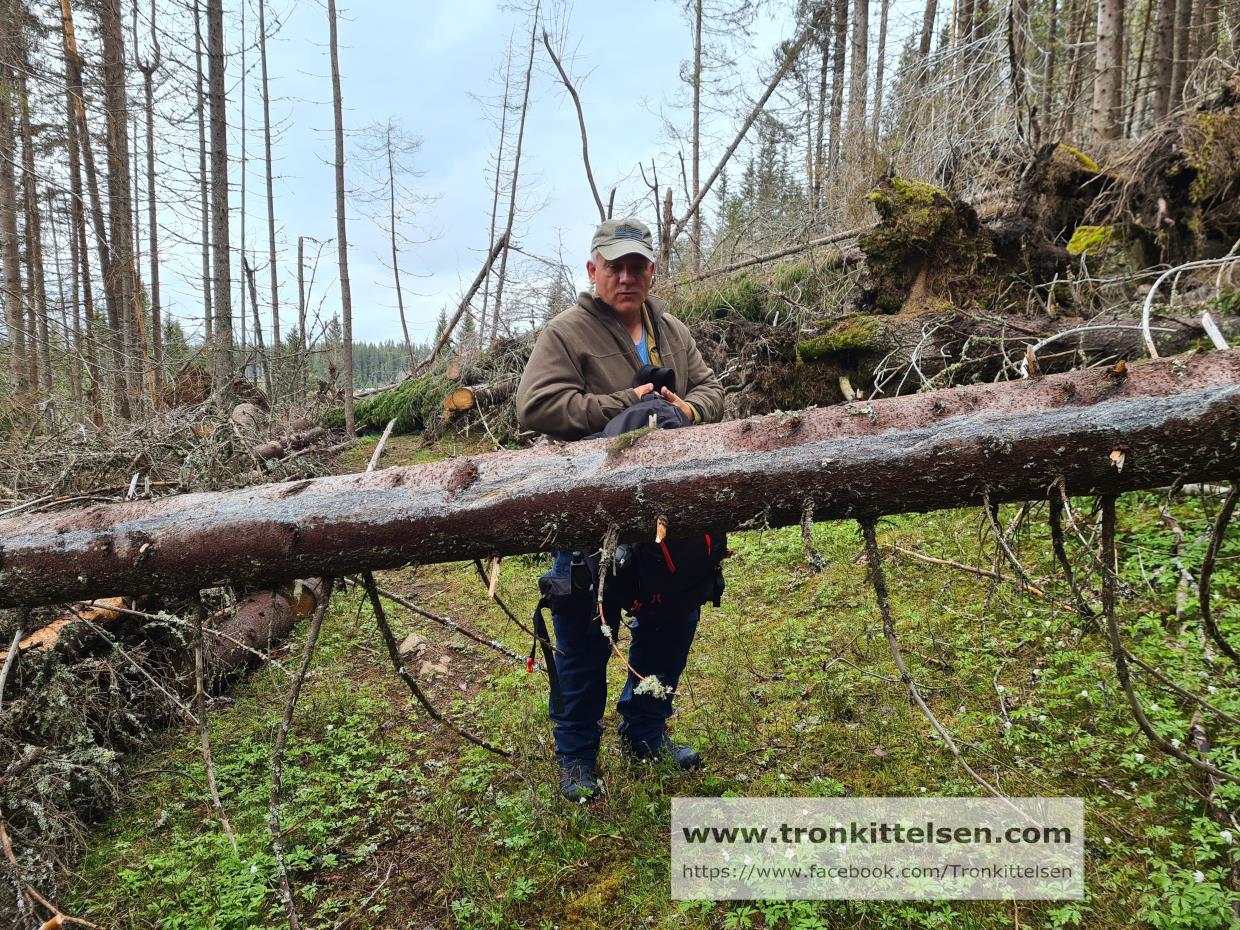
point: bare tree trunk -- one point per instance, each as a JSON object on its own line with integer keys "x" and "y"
{"x": 120, "y": 205}
{"x": 302, "y": 342}
{"x": 499, "y": 167}
{"x": 880, "y": 61}
{"x": 148, "y": 69}
{"x": 400, "y": 299}
{"x": 1081, "y": 9}
{"x": 203, "y": 181}
{"x": 115, "y": 304}
{"x": 858, "y": 79}
{"x": 1108, "y": 115}
{"x": 222, "y": 361}
{"x": 1138, "y": 95}
{"x": 248, "y": 270}
{"x": 837, "y": 85}
{"x": 242, "y": 242}
{"x": 1164, "y": 58}
{"x": 72, "y": 331}
{"x": 512, "y": 193}
{"x": 276, "y": 345}
{"x": 1207, "y": 45}
{"x": 1180, "y": 61}
{"x": 342, "y": 242}
{"x": 697, "y": 132}
{"x": 926, "y": 37}
{"x": 80, "y": 252}
{"x": 949, "y": 448}
{"x": 820, "y": 130}
{"x": 40, "y": 362}
{"x": 14, "y": 293}
{"x": 1048, "y": 76}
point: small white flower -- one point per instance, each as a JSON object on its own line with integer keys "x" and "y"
{"x": 922, "y": 790}
{"x": 1106, "y": 840}
{"x": 1007, "y": 724}
{"x": 1154, "y": 707}
{"x": 1199, "y": 876}
{"x": 1041, "y": 718}
{"x": 1000, "y": 688}
{"x": 1175, "y": 744}
{"x": 1139, "y": 756}
{"x": 1211, "y": 689}
{"x": 1226, "y": 836}
{"x": 726, "y": 855}
{"x": 253, "y": 870}
{"x": 788, "y": 853}
{"x": 1085, "y": 695}
{"x": 330, "y": 727}
{"x": 1028, "y": 613}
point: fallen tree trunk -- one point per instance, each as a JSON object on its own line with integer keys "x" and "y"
{"x": 261, "y": 619}
{"x": 468, "y": 397}
{"x": 1173, "y": 419}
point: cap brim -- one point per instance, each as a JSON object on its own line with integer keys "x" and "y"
{"x": 614, "y": 250}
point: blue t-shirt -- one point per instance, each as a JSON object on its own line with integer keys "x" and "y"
{"x": 643, "y": 349}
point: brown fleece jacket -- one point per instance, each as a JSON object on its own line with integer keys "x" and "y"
{"x": 580, "y": 373}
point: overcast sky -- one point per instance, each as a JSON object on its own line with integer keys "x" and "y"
{"x": 424, "y": 64}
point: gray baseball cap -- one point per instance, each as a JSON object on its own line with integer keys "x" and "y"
{"x": 625, "y": 236}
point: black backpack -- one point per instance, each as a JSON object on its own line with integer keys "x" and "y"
{"x": 676, "y": 575}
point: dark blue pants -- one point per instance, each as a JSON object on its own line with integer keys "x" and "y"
{"x": 658, "y": 648}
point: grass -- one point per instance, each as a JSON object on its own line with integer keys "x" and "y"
{"x": 394, "y": 822}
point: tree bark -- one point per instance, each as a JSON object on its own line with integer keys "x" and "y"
{"x": 273, "y": 269}
{"x": 1108, "y": 117}
{"x": 14, "y": 293}
{"x": 1048, "y": 76}
{"x": 1164, "y": 58}
{"x": 112, "y": 299}
{"x": 1180, "y": 64}
{"x": 79, "y": 255}
{"x": 1173, "y": 419}
{"x": 342, "y": 234}
{"x": 858, "y": 78}
{"x": 879, "y": 63}
{"x": 203, "y": 181}
{"x": 41, "y": 361}
{"x": 400, "y": 297}
{"x": 148, "y": 69}
{"x": 120, "y": 203}
{"x": 697, "y": 133}
{"x": 837, "y": 84}
{"x": 499, "y": 167}
{"x": 501, "y": 278}
{"x": 221, "y": 284}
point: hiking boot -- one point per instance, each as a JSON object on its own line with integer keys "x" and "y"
{"x": 578, "y": 783}
{"x": 685, "y": 757}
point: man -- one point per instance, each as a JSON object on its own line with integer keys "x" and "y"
{"x": 579, "y": 376}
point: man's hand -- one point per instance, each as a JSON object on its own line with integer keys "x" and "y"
{"x": 642, "y": 390}
{"x": 679, "y": 404}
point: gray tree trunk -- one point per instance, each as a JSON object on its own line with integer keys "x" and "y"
{"x": 1108, "y": 114}
{"x": 221, "y": 284}
{"x": 1008, "y": 440}
{"x": 342, "y": 240}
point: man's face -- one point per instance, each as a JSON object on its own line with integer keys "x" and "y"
{"x": 623, "y": 282}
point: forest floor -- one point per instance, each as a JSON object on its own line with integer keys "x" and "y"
{"x": 394, "y": 821}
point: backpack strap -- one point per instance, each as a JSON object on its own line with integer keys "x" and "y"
{"x": 543, "y": 636}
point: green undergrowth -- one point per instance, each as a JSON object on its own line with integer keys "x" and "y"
{"x": 413, "y": 405}
{"x": 790, "y": 691}
{"x": 759, "y": 296}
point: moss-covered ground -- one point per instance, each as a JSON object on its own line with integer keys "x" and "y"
{"x": 394, "y": 822}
